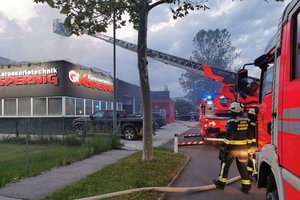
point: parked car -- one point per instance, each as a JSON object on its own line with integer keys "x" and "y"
{"x": 159, "y": 119}
{"x": 102, "y": 122}
{"x": 155, "y": 122}
{"x": 191, "y": 116}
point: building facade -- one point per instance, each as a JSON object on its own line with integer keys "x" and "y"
{"x": 162, "y": 104}
{"x": 55, "y": 91}
{"x": 46, "y": 97}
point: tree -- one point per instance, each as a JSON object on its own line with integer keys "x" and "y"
{"x": 92, "y": 16}
{"x": 183, "y": 106}
{"x": 212, "y": 47}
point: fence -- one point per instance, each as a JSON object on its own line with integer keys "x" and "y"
{"x": 30, "y": 146}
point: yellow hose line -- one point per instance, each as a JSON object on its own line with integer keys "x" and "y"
{"x": 160, "y": 189}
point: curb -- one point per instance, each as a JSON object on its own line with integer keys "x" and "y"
{"x": 163, "y": 195}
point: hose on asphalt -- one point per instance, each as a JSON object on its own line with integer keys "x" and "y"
{"x": 160, "y": 189}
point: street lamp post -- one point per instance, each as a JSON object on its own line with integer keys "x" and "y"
{"x": 114, "y": 75}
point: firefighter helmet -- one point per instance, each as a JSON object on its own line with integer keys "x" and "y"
{"x": 236, "y": 107}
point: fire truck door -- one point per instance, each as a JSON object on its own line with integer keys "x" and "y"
{"x": 265, "y": 108}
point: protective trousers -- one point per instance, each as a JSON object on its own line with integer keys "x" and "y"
{"x": 240, "y": 154}
{"x": 251, "y": 167}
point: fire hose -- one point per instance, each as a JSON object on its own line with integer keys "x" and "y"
{"x": 160, "y": 189}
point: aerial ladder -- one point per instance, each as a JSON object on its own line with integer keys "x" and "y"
{"x": 214, "y": 113}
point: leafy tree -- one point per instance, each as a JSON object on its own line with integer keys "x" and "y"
{"x": 212, "y": 47}
{"x": 183, "y": 106}
{"x": 92, "y": 16}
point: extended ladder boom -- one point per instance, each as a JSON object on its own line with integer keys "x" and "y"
{"x": 202, "y": 69}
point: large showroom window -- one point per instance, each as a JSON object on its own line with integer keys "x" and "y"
{"x": 70, "y": 106}
{"x": 79, "y": 106}
{"x": 109, "y": 105}
{"x": 119, "y": 106}
{"x": 0, "y": 107}
{"x": 96, "y": 105}
{"x": 103, "y": 105}
{"x": 39, "y": 106}
{"x": 88, "y": 106}
{"x": 24, "y": 107}
{"x": 10, "y": 107}
{"x": 54, "y": 106}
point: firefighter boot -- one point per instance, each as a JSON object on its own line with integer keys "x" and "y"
{"x": 218, "y": 184}
{"x": 245, "y": 189}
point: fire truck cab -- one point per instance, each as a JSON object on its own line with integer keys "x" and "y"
{"x": 212, "y": 124}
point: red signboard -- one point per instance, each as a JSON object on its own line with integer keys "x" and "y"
{"x": 89, "y": 81}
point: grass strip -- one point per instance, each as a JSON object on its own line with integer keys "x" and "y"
{"x": 130, "y": 172}
{"x": 19, "y": 160}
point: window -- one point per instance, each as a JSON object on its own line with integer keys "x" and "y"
{"x": 267, "y": 82}
{"x": 103, "y": 105}
{"x": 296, "y": 64}
{"x": 70, "y": 106}
{"x": 39, "y": 106}
{"x": 96, "y": 105}
{"x": 54, "y": 106}
{"x": 10, "y": 107}
{"x": 79, "y": 107}
{"x": 24, "y": 107}
{"x": 109, "y": 106}
{"x": 88, "y": 107}
{"x": 119, "y": 106}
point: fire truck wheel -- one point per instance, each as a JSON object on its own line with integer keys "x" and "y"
{"x": 129, "y": 133}
{"x": 272, "y": 193}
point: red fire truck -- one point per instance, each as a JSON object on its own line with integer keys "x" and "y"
{"x": 279, "y": 110}
{"x": 214, "y": 111}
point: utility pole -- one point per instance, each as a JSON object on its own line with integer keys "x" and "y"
{"x": 114, "y": 75}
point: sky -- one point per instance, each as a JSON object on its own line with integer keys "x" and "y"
{"x": 26, "y": 35}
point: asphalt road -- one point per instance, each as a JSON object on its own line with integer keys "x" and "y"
{"x": 202, "y": 168}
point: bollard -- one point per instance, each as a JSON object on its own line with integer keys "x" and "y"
{"x": 175, "y": 143}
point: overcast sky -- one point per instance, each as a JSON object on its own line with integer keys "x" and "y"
{"x": 26, "y": 35}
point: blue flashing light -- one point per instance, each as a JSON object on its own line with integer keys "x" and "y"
{"x": 97, "y": 106}
{"x": 209, "y": 97}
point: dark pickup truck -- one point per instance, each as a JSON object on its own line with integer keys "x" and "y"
{"x": 102, "y": 122}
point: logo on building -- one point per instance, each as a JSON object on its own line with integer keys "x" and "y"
{"x": 90, "y": 81}
{"x": 29, "y": 77}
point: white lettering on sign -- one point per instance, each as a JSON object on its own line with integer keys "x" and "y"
{"x": 27, "y": 72}
{"x": 89, "y": 81}
{"x": 29, "y": 77}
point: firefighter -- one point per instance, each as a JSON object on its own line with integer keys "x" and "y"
{"x": 235, "y": 147}
{"x": 252, "y": 147}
